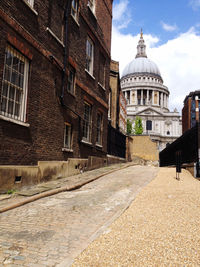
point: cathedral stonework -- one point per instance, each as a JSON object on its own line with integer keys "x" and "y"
{"x": 147, "y": 97}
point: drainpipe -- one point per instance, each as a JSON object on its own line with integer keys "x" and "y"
{"x": 68, "y": 5}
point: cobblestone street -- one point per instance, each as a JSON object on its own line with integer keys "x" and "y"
{"x": 54, "y": 230}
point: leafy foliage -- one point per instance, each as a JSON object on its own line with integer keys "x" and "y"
{"x": 129, "y": 128}
{"x": 138, "y": 128}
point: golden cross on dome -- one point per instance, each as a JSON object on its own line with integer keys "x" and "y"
{"x": 141, "y": 33}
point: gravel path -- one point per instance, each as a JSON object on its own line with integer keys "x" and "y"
{"x": 160, "y": 228}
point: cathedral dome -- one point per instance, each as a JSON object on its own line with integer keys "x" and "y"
{"x": 141, "y": 65}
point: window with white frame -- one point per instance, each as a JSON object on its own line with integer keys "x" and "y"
{"x": 99, "y": 128}
{"x": 14, "y": 85}
{"x": 68, "y": 136}
{"x": 89, "y": 55}
{"x": 31, "y": 2}
{"x": 87, "y": 122}
{"x": 71, "y": 80}
{"x": 74, "y": 9}
{"x": 91, "y": 4}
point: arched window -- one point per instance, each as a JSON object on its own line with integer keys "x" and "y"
{"x": 149, "y": 125}
{"x": 168, "y": 132}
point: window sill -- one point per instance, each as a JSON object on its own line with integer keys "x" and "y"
{"x": 86, "y": 142}
{"x": 98, "y": 146}
{"x": 102, "y": 87}
{"x": 76, "y": 20}
{"x": 89, "y": 74}
{"x": 14, "y": 121}
{"x": 65, "y": 149}
{"x": 31, "y": 8}
{"x": 72, "y": 94}
{"x": 54, "y": 36}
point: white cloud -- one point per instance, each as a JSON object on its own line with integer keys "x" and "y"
{"x": 121, "y": 14}
{"x": 168, "y": 27}
{"x": 195, "y": 4}
{"x": 178, "y": 60}
{"x": 119, "y": 9}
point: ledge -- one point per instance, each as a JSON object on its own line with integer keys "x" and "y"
{"x": 92, "y": 11}
{"x": 76, "y": 21}
{"x": 86, "y": 142}
{"x": 31, "y": 8}
{"x": 14, "y": 121}
{"x": 53, "y": 34}
{"x": 65, "y": 149}
{"x": 98, "y": 146}
{"x": 102, "y": 87}
{"x": 89, "y": 74}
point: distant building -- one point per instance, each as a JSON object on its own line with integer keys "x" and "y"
{"x": 117, "y": 102}
{"x": 147, "y": 97}
{"x": 190, "y": 111}
{"x": 116, "y": 115}
{"x": 122, "y": 114}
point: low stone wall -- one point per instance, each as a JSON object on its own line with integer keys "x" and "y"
{"x": 143, "y": 147}
{"x": 14, "y": 177}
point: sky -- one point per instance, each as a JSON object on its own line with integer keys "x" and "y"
{"x": 171, "y": 30}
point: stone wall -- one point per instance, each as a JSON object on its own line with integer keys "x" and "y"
{"x": 141, "y": 146}
{"x": 15, "y": 177}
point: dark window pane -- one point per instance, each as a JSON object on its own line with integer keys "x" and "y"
{"x": 5, "y": 89}
{"x": 7, "y": 74}
{"x": 21, "y": 67}
{"x": 17, "y": 106}
{"x": 15, "y": 63}
{"x": 8, "y": 59}
{"x": 12, "y": 92}
{"x": 3, "y": 104}
{"x": 10, "y": 107}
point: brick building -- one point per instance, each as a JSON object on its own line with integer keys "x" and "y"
{"x": 116, "y": 114}
{"x": 54, "y": 79}
{"x": 190, "y": 111}
{"x": 117, "y": 102}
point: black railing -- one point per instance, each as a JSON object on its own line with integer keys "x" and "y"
{"x": 116, "y": 144}
{"x": 187, "y": 145}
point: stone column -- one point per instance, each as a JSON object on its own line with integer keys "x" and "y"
{"x": 152, "y": 97}
{"x": 136, "y": 100}
{"x": 147, "y": 97}
{"x": 161, "y": 101}
{"x": 141, "y": 97}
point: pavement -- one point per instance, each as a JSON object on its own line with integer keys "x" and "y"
{"x": 160, "y": 228}
{"x": 67, "y": 216}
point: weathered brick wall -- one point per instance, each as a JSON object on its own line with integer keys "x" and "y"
{"x": 26, "y": 31}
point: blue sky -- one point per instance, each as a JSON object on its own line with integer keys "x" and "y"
{"x": 172, "y": 35}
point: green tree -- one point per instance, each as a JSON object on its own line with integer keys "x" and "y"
{"x": 129, "y": 128}
{"x": 138, "y": 128}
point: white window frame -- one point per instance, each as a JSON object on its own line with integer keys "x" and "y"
{"x": 91, "y": 4}
{"x": 68, "y": 136}
{"x": 74, "y": 9}
{"x": 89, "y": 55}
{"x": 99, "y": 128}
{"x": 31, "y": 2}
{"x": 71, "y": 80}
{"x": 13, "y": 100}
{"x": 87, "y": 122}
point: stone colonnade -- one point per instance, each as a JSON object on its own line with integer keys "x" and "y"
{"x": 146, "y": 97}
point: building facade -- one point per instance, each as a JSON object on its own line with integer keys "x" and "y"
{"x": 54, "y": 79}
{"x": 147, "y": 97}
{"x": 190, "y": 111}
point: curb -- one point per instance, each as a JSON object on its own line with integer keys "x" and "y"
{"x": 58, "y": 190}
